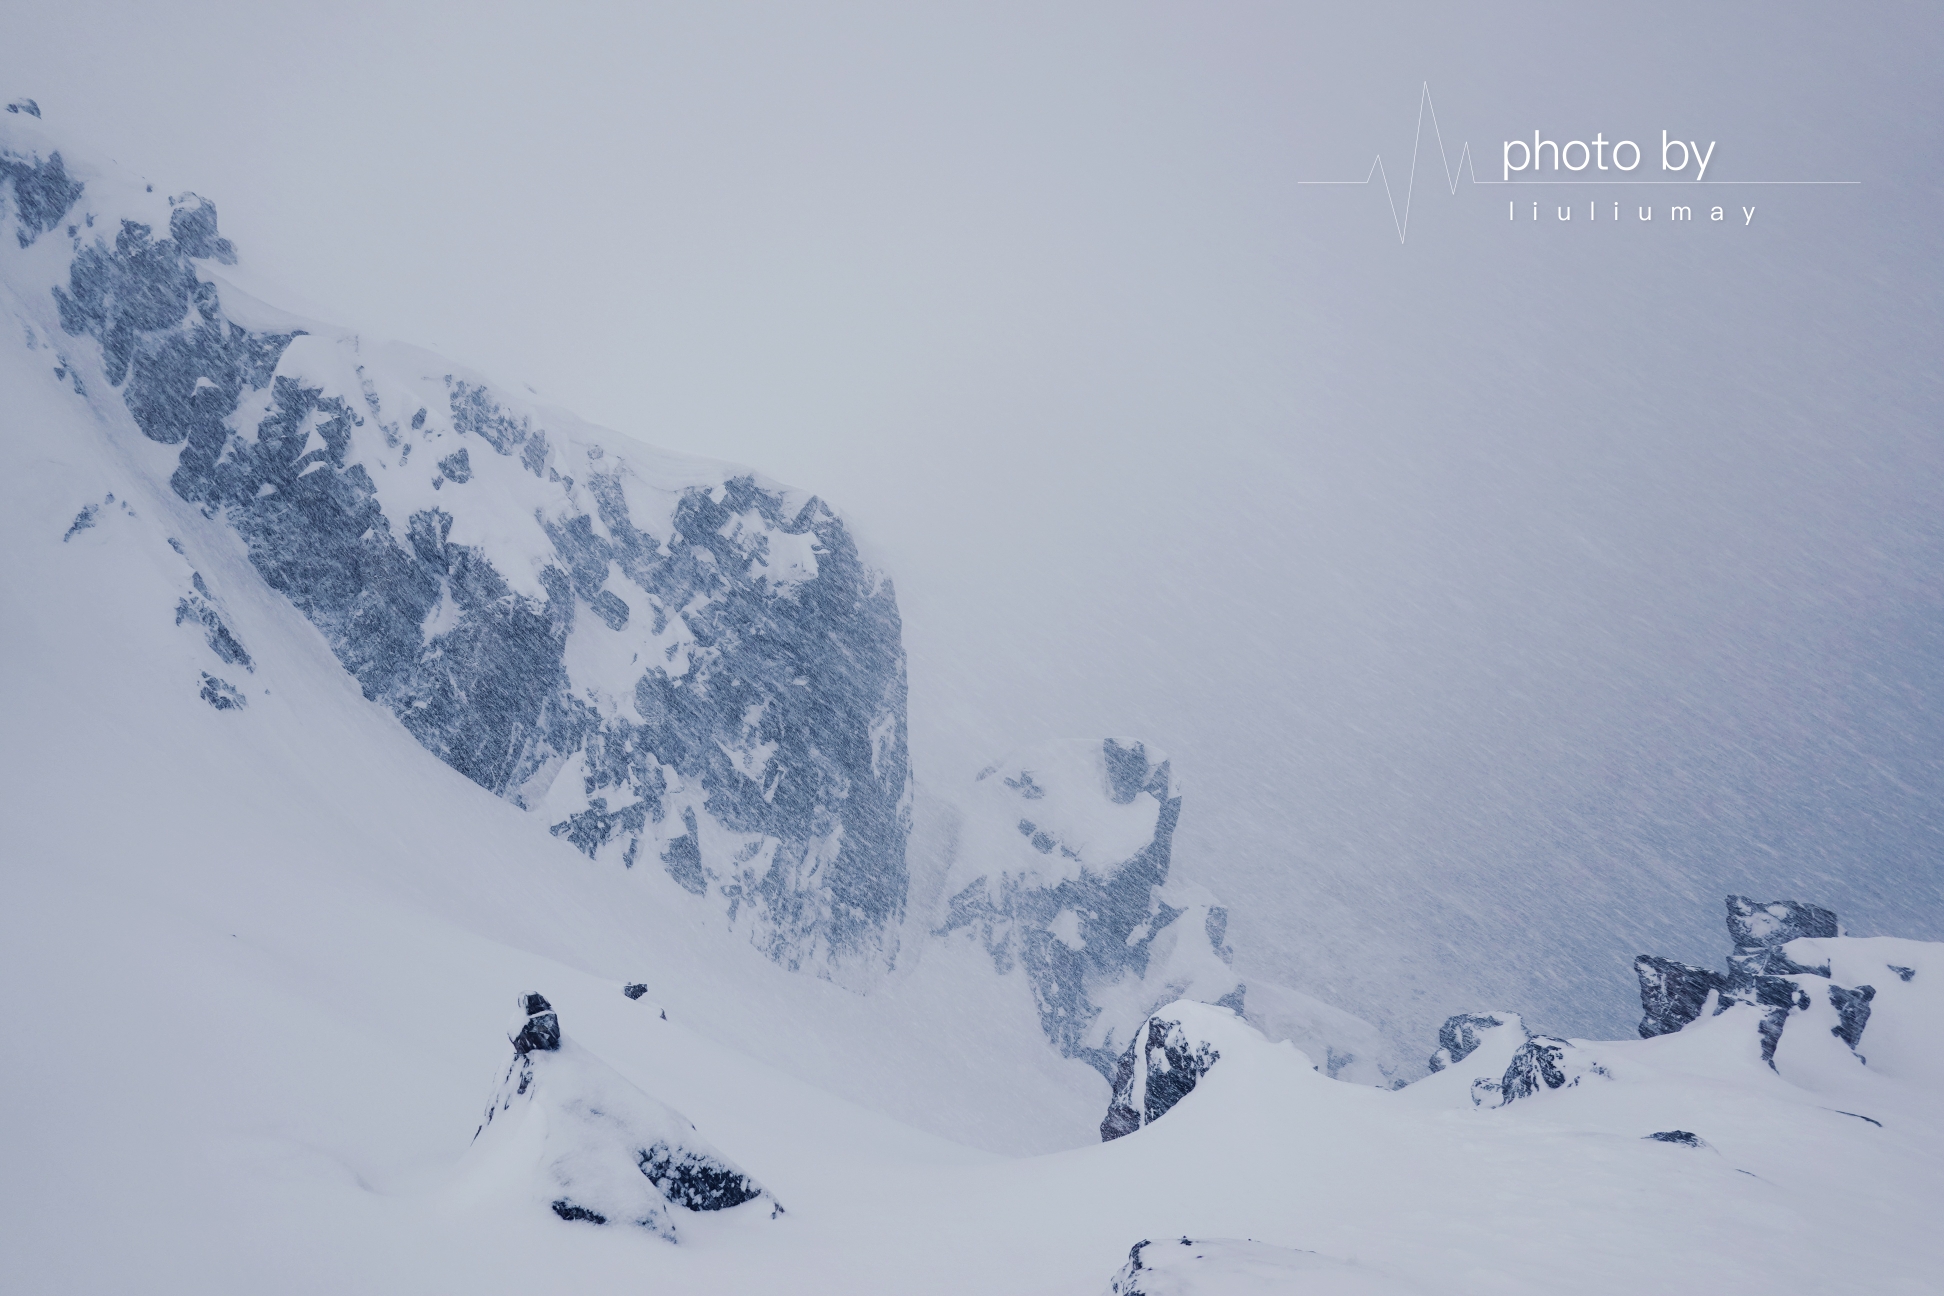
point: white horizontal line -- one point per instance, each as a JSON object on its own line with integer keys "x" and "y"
{"x": 1689, "y": 183}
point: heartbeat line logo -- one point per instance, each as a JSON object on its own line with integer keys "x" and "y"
{"x": 1452, "y": 174}
{"x": 1594, "y": 154}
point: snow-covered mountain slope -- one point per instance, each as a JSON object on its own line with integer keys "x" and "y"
{"x": 675, "y": 662}
{"x": 259, "y": 944}
{"x": 736, "y": 721}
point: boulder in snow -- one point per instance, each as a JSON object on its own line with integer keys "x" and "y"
{"x": 1462, "y": 1033}
{"x": 1160, "y": 1067}
{"x": 593, "y": 1147}
{"x": 1543, "y": 1063}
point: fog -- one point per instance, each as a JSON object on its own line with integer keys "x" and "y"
{"x": 1505, "y": 595}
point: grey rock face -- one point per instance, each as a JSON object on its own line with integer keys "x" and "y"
{"x": 195, "y": 607}
{"x": 1534, "y": 1067}
{"x": 1161, "y": 1066}
{"x": 695, "y": 1181}
{"x": 1681, "y": 1138}
{"x": 1458, "y": 1038}
{"x": 1760, "y": 974}
{"x": 1759, "y": 932}
{"x": 758, "y": 752}
{"x": 537, "y": 1029}
{"x": 1672, "y": 994}
{"x": 221, "y": 694}
{"x": 1544, "y": 1063}
{"x": 1852, "y": 1012}
{"x": 1079, "y": 916}
{"x": 42, "y": 190}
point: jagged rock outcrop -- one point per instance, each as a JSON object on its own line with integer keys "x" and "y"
{"x": 1161, "y": 1066}
{"x": 608, "y": 1153}
{"x": 1762, "y": 932}
{"x": 1546, "y": 1062}
{"x": 1462, "y": 1033}
{"x": 1507, "y": 1061}
{"x": 679, "y": 664}
{"x": 1762, "y": 973}
{"x": 1672, "y": 994}
{"x": 1061, "y": 869}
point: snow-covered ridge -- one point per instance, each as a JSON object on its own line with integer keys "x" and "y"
{"x": 680, "y": 664}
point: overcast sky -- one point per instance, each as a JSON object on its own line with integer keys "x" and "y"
{"x": 1505, "y": 596}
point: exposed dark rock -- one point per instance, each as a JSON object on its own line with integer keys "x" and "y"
{"x": 196, "y": 607}
{"x": 696, "y": 1182}
{"x": 1672, "y": 994}
{"x": 1853, "y": 1009}
{"x": 1759, "y": 932}
{"x": 1682, "y": 1137}
{"x": 1116, "y": 906}
{"x": 1761, "y": 974}
{"x": 193, "y": 226}
{"x": 1544, "y": 1063}
{"x": 539, "y": 1030}
{"x": 1459, "y": 1037}
{"x": 568, "y": 1211}
{"x": 1161, "y": 1066}
{"x": 1777, "y": 996}
{"x": 27, "y": 106}
{"x": 1903, "y": 973}
{"x": 634, "y": 990}
{"x": 221, "y": 694}
{"x": 43, "y": 193}
{"x": 1535, "y": 1066}
{"x": 610, "y": 608}
{"x": 85, "y": 519}
{"x": 457, "y": 466}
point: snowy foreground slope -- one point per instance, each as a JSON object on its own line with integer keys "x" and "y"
{"x": 261, "y": 948}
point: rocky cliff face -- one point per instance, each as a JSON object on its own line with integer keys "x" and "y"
{"x": 681, "y": 665}
{"x": 1061, "y": 870}
{"x": 1762, "y": 972}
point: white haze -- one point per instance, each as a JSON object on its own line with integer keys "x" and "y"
{"x": 1505, "y": 597}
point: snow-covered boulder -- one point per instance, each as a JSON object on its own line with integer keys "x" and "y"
{"x": 680, "y": 664}
{"x": 570, "y": 1131}
{"x": 1240, "y": 1267}
{"x": 1546, "y": 1062}
{"x": 1462, "y": 1033}
{"x": 1061, "y": 868}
